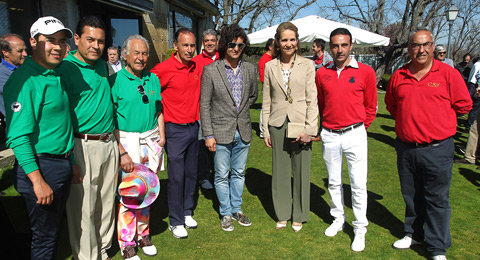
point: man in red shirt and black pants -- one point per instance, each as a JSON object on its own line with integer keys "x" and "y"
{"x": 180, "y": 82}
{"x": 424, "y": 97}
{"x": 207, "y": 57}
{"x": 347, "y": 102}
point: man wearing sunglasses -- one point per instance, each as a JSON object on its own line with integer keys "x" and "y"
{"x": 228, "y": 89}
{"x": 180, "y": 81}
{"x": 441, "y": 55}
{"x": 424, "y": 97}
{"x": 90, "y": 206}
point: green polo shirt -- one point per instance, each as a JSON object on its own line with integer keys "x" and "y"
{"x": 38, "y": 115}
{"x": 132, "y": 115}
{"x": 89, "y": 92}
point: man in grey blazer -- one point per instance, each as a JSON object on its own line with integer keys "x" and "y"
{"x": 228, "y": 89}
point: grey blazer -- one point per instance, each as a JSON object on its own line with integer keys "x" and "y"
{"x": 218, "y": 111}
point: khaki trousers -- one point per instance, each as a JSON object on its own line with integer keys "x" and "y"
{"x": 90, "y": 206}
{"x": 285, "y": 157}
{"x": 472, "y": 142}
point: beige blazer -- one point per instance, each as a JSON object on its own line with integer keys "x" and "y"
{"x": 303, "y": 107}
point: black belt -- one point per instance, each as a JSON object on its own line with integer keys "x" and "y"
{"x": 187, "y": 124}
{"x": 343, "y": 130}
{"x": 101, "y": 137}
{"x": 54, "y": 156}
{"x": 423, "y": 145}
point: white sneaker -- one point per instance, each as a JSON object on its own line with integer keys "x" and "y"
{"x": 206, "y": 185}
{"x": 333, "y": 229}
{"x": 179, "y": 231}
{"x": 405, "y": 243}
{"x": 359, "y": 241}
{"x": 190, "y": 223}
{"x": 439, "y": 257}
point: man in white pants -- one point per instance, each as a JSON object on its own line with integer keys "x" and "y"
{"x": 347, "y": 101}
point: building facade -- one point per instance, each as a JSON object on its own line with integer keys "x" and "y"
{"x": 157, "y": 20}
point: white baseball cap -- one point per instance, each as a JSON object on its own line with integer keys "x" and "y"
{"x": 48, "y": 25}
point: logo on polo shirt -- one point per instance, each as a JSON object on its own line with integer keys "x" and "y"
{"x": 16, "y": 106}
{"x": 433, "y": 84}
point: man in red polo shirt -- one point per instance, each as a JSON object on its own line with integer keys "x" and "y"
{"x": 424, "y": 97}
{"x": 347, "y": 102}
{"x": 205, "y": 157}
{"x": 267, "y": 56}
{"x": 180, "y": 83}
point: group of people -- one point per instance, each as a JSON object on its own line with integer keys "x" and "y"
{"x": 81, "y": 135}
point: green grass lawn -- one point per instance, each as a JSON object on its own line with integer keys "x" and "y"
{"x": 262, "y": 241}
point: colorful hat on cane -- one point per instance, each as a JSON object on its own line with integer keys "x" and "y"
{"x": 139, "y": 188}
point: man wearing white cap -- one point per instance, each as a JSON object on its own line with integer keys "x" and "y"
{"x": 35, "y": 101}
{"x": 441, "y": 55}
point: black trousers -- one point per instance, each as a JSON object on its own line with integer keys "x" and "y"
{"x": 182, "y": 157}
{"x": 45, "y": 220}
{"x": 425, "y": 176}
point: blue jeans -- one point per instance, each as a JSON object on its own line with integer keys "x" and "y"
{"x": 229, "y": 191}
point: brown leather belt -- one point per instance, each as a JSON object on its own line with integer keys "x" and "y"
{"x": 101, "y": 137}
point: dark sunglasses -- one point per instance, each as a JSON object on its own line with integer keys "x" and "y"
{"x": 442, "y": 53}
{"x": 141, "y": 90}
{"x": 232, "y": 45}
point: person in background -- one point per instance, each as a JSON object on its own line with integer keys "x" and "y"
{"x": 91, "y": 204}
{"x": 266, "y": 57}
{"x": 418, "y": 94}
{"x": 180, "y": 81}
{"x": 12, "y": 53}
{"x": 42, "y": 143}
{"x": 114, "y": 64}
{"x": 465, "y": 66}
{"x": 320, "y": 56}
{"x": 347, "y": 102}
{"x": 227, "y": 129}
{"x": 205, "y": 157}
{"x": 289, "y": 99}
{"x": 441, "y": 55}
{"x": 141, "y": 131}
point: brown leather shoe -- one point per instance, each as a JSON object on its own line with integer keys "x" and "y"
{"x": 145, "y": 241}
{"x": 129, "y": 251}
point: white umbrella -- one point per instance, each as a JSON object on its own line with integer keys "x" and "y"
{"x": 315, "y": 27}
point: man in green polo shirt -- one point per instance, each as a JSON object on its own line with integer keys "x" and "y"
{"x": 39, "y": 131}
{"x": 141, "y": 131}
{"x": 90, "y": 206}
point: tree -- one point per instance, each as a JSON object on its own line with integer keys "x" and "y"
{"x": 257, "y": 13}
{"x": 397, "y": 18}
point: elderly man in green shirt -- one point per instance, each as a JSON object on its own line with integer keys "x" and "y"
{"x": 90, "y": 206}
{"x": 40, "y": 134}
{"x": 140, "y": 125}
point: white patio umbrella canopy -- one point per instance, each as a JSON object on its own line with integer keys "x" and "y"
{"x": 315, "y": 27}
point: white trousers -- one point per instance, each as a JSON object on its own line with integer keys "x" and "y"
{"x": 354, "y": 145}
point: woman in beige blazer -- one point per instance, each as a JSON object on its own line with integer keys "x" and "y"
{"x": 290, "y": 102}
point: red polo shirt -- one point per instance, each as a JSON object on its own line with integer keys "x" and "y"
{"x": 261, "y": 65}
{"x": 425, "y": 110}
{"x": 348, "y": 98}
{"x": 180, "y": 90}
{"x": 203, "y": 59}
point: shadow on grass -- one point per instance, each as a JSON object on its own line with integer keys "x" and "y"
{"x": 378, "y": 214}
{"x": 387, "y": 116}
{"x": 256, "y": 128}
{"x": 471, "y": 176}
{"x": 382, "y": 138}
{"x": 259, "y": 184}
